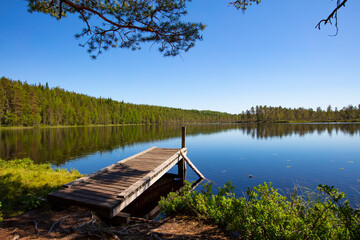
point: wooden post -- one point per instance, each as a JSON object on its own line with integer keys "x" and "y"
{"x": 182, "y": 163}
{"x": 183, "y": 135}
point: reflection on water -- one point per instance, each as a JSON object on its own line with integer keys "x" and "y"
{"x": 59, "y": 145}
{"x": 285, "y": 154}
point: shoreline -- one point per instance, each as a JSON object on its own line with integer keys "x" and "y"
{"x": 167, "y": 124}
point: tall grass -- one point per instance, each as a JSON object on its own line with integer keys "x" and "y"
{"x": 263, "y": 213}
{"x": 23, "y": 184}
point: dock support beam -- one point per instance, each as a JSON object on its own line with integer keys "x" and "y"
{"x": 182, "y": 163}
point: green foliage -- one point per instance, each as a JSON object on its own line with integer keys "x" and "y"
{"x": 31, "y": 105}
{"x": 244, "y": 4}
{"x": 127, "y": 24}
{"x": 265, "y": 214}
{"x": 23, "y": 184}
{"x": 280, "y": 114}
{"x": 22, "y": 104}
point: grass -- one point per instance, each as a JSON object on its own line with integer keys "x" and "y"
{"x": 263, "y": 213}
{"x": 24, "y": 184}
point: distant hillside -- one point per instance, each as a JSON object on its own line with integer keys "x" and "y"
{"x": 22, "y": 104}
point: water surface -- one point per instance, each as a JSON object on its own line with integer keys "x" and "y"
{"x": 284, "y": 154}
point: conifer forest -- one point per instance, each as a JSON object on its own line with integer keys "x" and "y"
{"x": 23, "y": 104}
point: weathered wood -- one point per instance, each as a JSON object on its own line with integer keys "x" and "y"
{"x": 146, "y": 180}
{"x": 182, "y": 163}
{"x": 91, "y": 194}
{"x": 153, "y": 213}
{"x": 116, "y": 178}
{"x": 182, "y": 170}
{"x": 192, "y": 165}
{"x": 106, "y": 168}
{"x": 121, "y": 219}
{"x": 64, "y": 200}
{"x": 80, "y": 199}
{"x": 183, "y": 137}
{"x": 111, "y": 189}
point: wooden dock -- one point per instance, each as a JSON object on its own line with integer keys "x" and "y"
{"x": 111, "y": 189}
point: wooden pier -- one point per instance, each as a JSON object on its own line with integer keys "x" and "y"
{"x": 111, "y": 189}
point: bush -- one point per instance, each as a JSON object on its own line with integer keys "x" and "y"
{"x": 265, "y": 214}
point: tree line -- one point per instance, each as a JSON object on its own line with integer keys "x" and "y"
{"x": 261, "y": 114}
{"x": 22, "y": 104}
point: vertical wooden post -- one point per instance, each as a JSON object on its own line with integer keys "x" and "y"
{"x": 183, "y": 136}
{"x": 182, "y": 163}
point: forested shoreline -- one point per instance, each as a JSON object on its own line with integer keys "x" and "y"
{"x": 261, "y": 114}
{"x": 23, "y": 104}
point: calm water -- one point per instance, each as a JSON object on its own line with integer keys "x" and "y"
{"x": 285, "y": 154}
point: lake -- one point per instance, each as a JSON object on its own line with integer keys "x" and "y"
{"x": 284, "y": 154}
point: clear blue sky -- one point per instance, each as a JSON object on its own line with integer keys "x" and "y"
{"x": 271, "y": 55}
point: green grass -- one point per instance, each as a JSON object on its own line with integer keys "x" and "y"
{"x": 263, "y": 213}
{"x": 23, "y": 184}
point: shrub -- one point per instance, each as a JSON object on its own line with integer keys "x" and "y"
{"x": 265, "y": 214}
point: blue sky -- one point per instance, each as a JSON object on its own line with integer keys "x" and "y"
{"x": 271, "y": 55}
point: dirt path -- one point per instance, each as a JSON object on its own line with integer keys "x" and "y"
{"x": 78, "y": 223}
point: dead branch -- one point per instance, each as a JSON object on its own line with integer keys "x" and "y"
{"x": 57, "y": 221}
{"x": 333, "y": 15}
{"x": 36, "y": 227}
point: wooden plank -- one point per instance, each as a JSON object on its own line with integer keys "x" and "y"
{"x": 128, "y": 172}
{"x": 156, "y": 171}
{"x": 115, "y": 178}
{"x": 63, "y": 202}
{"x": 192, "y": 165}
{"x": 98, "y": 179}
{"x": 117, "y": 175}
{"x": 102, "y": 187}
{"x": 106, "y": 168}
{"x": 173, "y": 150}
{"x": 99, "y": 190}
{"x": 146, "y": 167}
{"x": 88, "y": 194}
{"x": 127, "y": 176}
{"x": 143, "y": 164}
{"x": 156, "y": 154}
{"x": 150, "y": 159}
{"x": 79, "y": 199}
{"x": 112, "y": 182}
{"x": 166, "y": 149}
